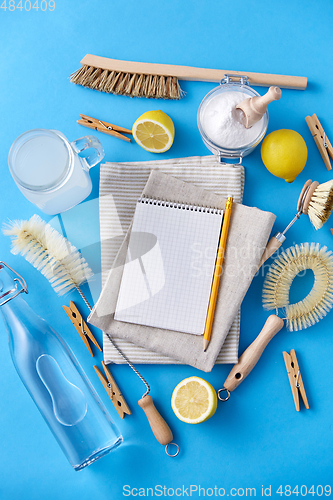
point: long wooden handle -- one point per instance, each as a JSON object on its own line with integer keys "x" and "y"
{"x": 193, "y": 74}
{"x": 271, "y": 247}
{"x": 158, "y": 425}
{"x": 251, "y": 356}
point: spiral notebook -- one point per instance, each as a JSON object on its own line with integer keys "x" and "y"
{"x": 167, "y": 277}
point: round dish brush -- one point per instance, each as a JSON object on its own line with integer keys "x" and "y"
{"x": 320, "y": 203}
{"x": 298, "y": 316}
{"x": 65, "y": 268}
{"x": 315, "y": 200}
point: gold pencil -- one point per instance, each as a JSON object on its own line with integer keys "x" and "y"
{"x": 217, "y": 273}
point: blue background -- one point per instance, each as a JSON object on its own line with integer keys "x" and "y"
{"x": 256, "y": 439}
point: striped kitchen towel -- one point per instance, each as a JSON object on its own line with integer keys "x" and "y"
{"x": 121, "y": 184}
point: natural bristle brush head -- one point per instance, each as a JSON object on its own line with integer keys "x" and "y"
{"x": 318, "y": 202}
{"x": 280, "y": 276}
{"x": 49, "y": 252}
{"x": 133, "y": 85}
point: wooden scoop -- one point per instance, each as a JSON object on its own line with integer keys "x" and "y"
{"x": 255, "y": 107}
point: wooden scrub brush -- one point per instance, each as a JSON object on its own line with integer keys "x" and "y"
{"x": 315, "y": 200}
{"x": 137, "y": 79}
{"x": 297, "y": 316}
{"x": 65, "y": 268}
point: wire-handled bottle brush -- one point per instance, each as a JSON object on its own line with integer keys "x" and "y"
{"x": 65, "y": 268}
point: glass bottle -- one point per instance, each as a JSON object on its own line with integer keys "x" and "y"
{"x": 54, "y": 379}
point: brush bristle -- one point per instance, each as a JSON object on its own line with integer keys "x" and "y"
{"x": 280, "y": 276}
{"x": 321, "y": 204}
{"x": 133, "y": 85}
{"x": 49, "y": 252}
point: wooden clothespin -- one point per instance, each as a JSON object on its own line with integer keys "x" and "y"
{"x": 105, "y": 127}
{"x": 113, "y": 391}
{"x": 321, "y": 139}
{"x": 81, "y": 326}
{"x": 295, "y": 378}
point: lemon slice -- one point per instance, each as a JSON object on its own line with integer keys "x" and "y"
{"x": 194, "y": 400}
{"x": 154, "y": 131}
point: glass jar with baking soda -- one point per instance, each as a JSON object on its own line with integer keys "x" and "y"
{"x": 222, "y": 125}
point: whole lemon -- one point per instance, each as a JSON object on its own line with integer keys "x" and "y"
{"x": 284, "y": 153}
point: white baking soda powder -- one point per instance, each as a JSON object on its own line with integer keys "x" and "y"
{"x": 222, "y": 122}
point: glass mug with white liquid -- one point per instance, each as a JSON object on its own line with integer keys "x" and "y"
{"x": 48, "y": 170}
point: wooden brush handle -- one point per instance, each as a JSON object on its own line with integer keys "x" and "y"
{"x": 194, "y": 74}
{"x": 158, "y": 425}
{"x": 308, "y": 196}
{"x": 251, "y": 356}
{"x": 273, "y": 244}
{"x": 302, "y": 196}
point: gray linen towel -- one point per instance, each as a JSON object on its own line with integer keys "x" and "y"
{"x": 248, "y": 234}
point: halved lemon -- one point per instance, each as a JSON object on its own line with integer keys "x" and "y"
{"x": 154, "y": 131}
{"x": 194, "y": 400}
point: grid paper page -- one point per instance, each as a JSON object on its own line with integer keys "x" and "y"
{"x": 167, "y": 277}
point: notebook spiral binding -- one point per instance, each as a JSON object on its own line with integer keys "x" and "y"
{"x": 180, "y": 206}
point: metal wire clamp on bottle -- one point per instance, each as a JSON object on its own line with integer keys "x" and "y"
{"x": 14, "y": 291}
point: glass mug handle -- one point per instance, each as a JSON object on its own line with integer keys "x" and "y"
{"x": 89, "y": 142}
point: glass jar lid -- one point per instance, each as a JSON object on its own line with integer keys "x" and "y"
{"x": 40, "y": 159}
